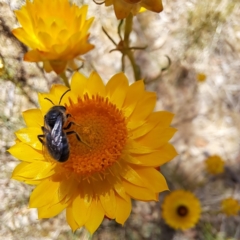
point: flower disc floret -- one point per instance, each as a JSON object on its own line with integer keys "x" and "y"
{"x": 56, "y": 32}
{"x": 123, "y": 8}
{"x": 181, "y": 209}
{"x": 116, "y": 142}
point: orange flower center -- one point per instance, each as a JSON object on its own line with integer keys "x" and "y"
{"x": 182, "y": 211}
{"x": 103, "y": 132}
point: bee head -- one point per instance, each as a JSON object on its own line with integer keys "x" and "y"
{"x": 53, "y": 114}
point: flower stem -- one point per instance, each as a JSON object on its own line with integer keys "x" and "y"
{"x": 64, "y": 78}
{"x": 128, "y": 51}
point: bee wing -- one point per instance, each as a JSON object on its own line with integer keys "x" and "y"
{"x": 45, "y": 150}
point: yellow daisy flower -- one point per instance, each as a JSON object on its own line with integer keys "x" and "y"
{"x": 230, "y": 206}
{"x": 56, "y": 31}
{"x": 2, "y": 66}
{"x": 214, "y": 165}
{"x": 122, "y": 8}
{"x": 181, "y": 209}
{"x": 201, "y": 77}
{"x": 116, "y": 141}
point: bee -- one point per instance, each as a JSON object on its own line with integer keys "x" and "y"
{"x": 54, "y": 137}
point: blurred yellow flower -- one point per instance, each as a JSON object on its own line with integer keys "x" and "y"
{"x": 201, "y": 77}
{"x": 122, "y": 142}
{"x": 214, "y": 165}
{"x": 56, "y": 31}
{"x": 230, "y": 206}
{"x": 2, "y": 66}
{"x": 123, "y": 8}
{"x": 181, "y": 209}
{"x": 142, "y": 9}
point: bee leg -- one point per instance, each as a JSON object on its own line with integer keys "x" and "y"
{"x": 69, "y": 125}
{"x": 40, "y": 138}
{"x": 77, "y": 136}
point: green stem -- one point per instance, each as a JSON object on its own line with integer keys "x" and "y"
{"x": 64, "y": 78}
{"x": 135, "y": 67}
{"x": 128, "y": 51}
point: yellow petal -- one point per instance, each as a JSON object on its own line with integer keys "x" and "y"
{"x": 58, "y": 66}
{"x": 44, "y": 194}
{"x": 46, "y": 65}
{"x": 32, "y": 56}
{"x": 123, "y": 210}
{"x": 33, "y": 118}
{"x": 51, "y": 211}
{"x": 136, "y": 90}
{"x": 95, "y": 85}
{"x": 67, "y": 188}
{"x": 121, "y": 10}
{"x": 142, "y": 110}
{"x": 95, "y": 218}
{"x": 78, "y": 84}
{"x": 70, "y": 219}
{"x": 117, "y": 89}
{"x": 142, "y": 10}
{"x": 29, "y": 136}
{"x": 153, "y": 5}
{"x": 33, "y": 171}
{"x": 81, "y": 207}
{"x": 24, "y": 19}
{"x": 44, "y": 38}
{"x": 138, "y": 148}
{"x": 154, "y": 159}
{"x": 108, "y": 2}
{"x": 139, "y": 193}
{"x": 157, "y": 138}
{"x": 161, "y": 119}
{"x": 23, "y": 37}
{"x": 60, "y": 93}
{"x": 108, "y": 202}
{"x": 132, "y": 176}
{"x": 153, "y": 179}
{"x": 24, "y": 152}
{"x": 120, "y": 190}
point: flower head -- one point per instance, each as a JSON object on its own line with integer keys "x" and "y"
{"x": 123, "y": 8}
{"x": 181, "y": 209}
{"x": 201, "y": 77}
{"x": 115, "y": 141}
{"x": 214, "y": 165}
{"x": 56, "y": 31}
{"x": 230, "y": 206}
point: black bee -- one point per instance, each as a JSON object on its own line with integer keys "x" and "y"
{"x": 54, "y": 137}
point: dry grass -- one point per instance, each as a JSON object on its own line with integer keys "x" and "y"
{"x": 198, "y": 37}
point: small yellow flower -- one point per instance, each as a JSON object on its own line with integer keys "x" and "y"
{"x": 122, "y": 142}
{"x": 181, "y": 209}
{"x": 214, "y": 165}
{"x": 201, "y": 77}
{"x": 2, "y": 66}
{"x": 123, "y": 8}
{"x": 56, "y": 31}
{"x": 230, "y": 206}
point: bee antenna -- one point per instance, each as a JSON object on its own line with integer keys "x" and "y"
{"x": 63, "y": 96}
{"x": 49, "y": 100}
